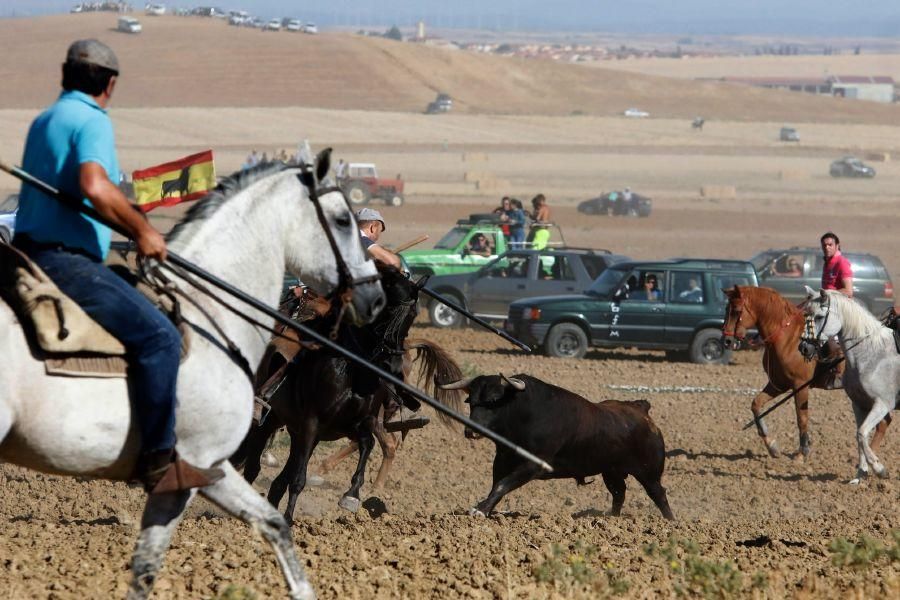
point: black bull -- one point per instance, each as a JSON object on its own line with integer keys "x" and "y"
{"x": 577, "y": 437}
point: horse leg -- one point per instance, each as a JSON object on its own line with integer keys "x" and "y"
{"x": 879, "y": 411}
{"x": 862, "y": 465}
{"x": 880, "y": 430}
{"x": 280, "y": 483}
{"x": 241, "y": 500}
{"x": 389, "y": 443}
{"x": 332, "y": 461}
{"x": 801, "y": 406}
{"x": 307, "y": 444}
{"x": 162, "y": 513}
{"x": 251, "y": 449}
{"x": 761, "y": 399}
{"x": 350, "y": 500}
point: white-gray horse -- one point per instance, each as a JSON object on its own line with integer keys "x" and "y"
{"x": 254, "y": 227}
{"x": 872, "y": 374}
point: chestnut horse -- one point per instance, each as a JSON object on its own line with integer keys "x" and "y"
{"x": 780, "y": 325}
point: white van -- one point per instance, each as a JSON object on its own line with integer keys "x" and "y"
{"x": 129, "y": 25}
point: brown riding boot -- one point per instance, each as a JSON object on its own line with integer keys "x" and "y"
{"x": 164, "y": 472}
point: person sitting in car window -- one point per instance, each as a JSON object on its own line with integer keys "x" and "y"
{"x": 693, "y": 292}
{"x": 651, "y": 290}
{"x": 481, "y": 245}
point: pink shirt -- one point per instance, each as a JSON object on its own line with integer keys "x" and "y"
{"x": 835, "y": 271}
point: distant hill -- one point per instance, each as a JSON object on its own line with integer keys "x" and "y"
{"x": 184, "y": 61}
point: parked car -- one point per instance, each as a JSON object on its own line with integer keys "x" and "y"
{"x": 273, "y": 25}
{"x": 640, "y": 206}
{"x": 443, "y": 103}
{"x": 8, "y": 211}
{"x": 451, "y": 253}
{"x": 129, "y": 25}
{"x": 787, "y": 271}
{"x": 238, "y": 17}
{"x": 362, "y": 183}
{"x": 850, "y": 166}
{"x": 636, "y": 113}
{"x": 788, "y": 134}
{"x": 310, "y": 28}
{"x": 488, "y": 291}
{"x": 155, "y": 10}
{"x": 294, "y": 25}
{"x": 686, "y": 313}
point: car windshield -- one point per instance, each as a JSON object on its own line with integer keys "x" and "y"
{"x": 452, "y": 239}
{"x": 10, "y": 204}
{"x": 604, "y": 285}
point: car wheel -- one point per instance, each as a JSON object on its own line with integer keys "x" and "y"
{"x": 395, "y": 200}
{"x": 707, "y": 348}
{"x": 357, "y": 193}
{"x": 4, "y": 235}
{"x": 443, "y": 316}
{"x": 566, "y": 340}
{"x": 589, "y": 208}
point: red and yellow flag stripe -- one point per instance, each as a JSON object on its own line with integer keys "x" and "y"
{"x": 187, "y": 178}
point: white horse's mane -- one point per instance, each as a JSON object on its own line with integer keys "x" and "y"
{"x": 857, "y": 322}
{"x": 225, "y": 189}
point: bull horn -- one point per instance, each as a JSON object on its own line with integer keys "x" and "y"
{"x": 455, "y": 385}
{"x": 516, "y": 383}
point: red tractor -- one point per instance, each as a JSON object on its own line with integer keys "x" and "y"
{"x": 361, "y": 184}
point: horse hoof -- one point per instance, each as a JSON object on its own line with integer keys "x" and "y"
{"x": 475, "y": 512}
{"x": 881, "y": 473}
{"x": 314, "y": 481}
{"x": 854, "y": 481}
{"x": 773, "y": 449}
{"x": 269, "y": 460}
{"x": 349, "y": 503}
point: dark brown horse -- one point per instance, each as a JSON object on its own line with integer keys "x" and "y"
{"x": 326, "y": 397}
{"x": 780, "y": 325}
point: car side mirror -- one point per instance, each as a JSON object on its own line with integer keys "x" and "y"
{"x": 465, "y": 252}
{"x": 621, "y": 292}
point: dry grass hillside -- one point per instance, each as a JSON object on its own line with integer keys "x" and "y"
{"x": 205, "y": 63}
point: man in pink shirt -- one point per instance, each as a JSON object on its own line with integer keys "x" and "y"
{"x": 836, "y": 271}
{"x": 837, "y": 274}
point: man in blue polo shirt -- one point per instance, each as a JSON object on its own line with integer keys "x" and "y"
{"x": 71, "y": 146}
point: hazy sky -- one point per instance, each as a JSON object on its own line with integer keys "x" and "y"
{"x": 805, "y": 17}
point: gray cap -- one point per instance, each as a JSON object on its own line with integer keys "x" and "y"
{"x": 370, "y": 214}
{"x": 93, "y": 52}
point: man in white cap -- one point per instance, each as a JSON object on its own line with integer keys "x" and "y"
{"x": 371, "y": 226}
{"x": 71, "y": 146}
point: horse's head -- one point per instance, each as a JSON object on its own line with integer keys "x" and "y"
{"x": 324, "y": 240}
{"x": 737, "y": 318}
{"x": 822, "y": 323}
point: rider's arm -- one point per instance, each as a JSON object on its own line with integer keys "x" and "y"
{"x": 846, "y": 287}
{"x": 385, "y": 256}
{"x": 112, "y": 204}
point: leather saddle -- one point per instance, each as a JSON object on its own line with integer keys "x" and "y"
{"x": 58, "y": 331}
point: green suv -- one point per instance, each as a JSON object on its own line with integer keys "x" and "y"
{"x": 452, "y": 253}
{"x": 788, "y": 271}
{"x": 674, "y": 305}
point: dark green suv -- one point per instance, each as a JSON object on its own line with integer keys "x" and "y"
{"x": 675, "y": 305}
{"x": 788, "y": 271}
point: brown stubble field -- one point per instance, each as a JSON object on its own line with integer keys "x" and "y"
{"x": 63, "y": 538}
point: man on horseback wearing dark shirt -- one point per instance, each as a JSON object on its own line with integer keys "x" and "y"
{"x": 71, "y": 146}
{"x": 371, "y": 226}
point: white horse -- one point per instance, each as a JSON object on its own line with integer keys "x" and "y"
{"x": 872, "y": 375}
{"x": 254, "y": 227}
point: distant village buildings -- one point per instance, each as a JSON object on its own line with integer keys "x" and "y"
{"x": 860, "y": 87}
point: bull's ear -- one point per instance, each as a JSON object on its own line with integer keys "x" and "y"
{"x": 810, "y": 293}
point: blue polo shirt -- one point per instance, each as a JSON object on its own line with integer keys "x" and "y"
{"x": 73, "y": 131}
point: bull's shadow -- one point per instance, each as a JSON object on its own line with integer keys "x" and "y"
{"x": 746, "y": 455}
{"x": 594, "y": 354}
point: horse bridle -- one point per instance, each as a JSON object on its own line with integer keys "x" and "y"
{"x": 346, "y": 282}
{"x": 740, "y": 304}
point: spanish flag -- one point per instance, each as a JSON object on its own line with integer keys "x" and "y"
{"x": 181, "y": 180}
